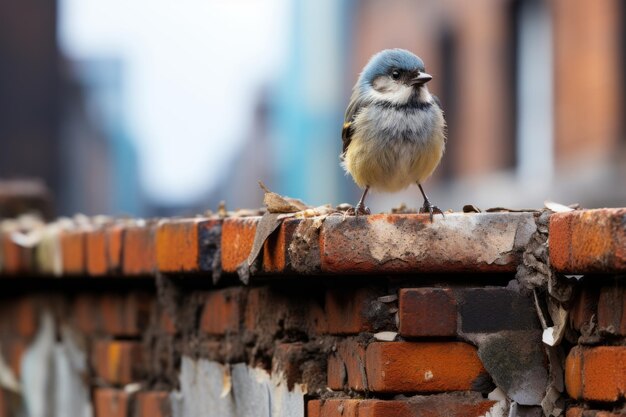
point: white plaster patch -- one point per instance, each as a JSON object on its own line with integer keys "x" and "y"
{"x": 253, "y": 392}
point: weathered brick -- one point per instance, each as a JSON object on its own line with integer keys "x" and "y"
{"x": 276, "y": 257}
{"x": 596, "y": 373}
{"x": 14, "y": 258}
{"x": 85, "y": 316}
{"x": 485, "y": 310}
{"x": 335, "y": 407}
{"x": 352, "y": 311}
{"x": 237, "y": 240}
{"x": 114, "y": 242}
{"x": 153, "y": 404}
{"x": 109, "y": 402}
{"x": 584, "y": 307}
{"x": 138, "y": 251}
{"x": 183, "y": 245}
{"x": 426, "y": 312}
{"x": 117, "y": 362}
{"x": 582, "y": 412}
{"x": 166, "y": 322}
{"x": 274, "y": 310}
{"x": 346, "y": 366}
{"x": 222, "y": 311}
{"x": 96, "y": 253}
{"x": 73, "y": 251}
{"x": 428, "y": 406}
{"x": 485, "y": 242}
{"x": 20, "y": 316}
{"x": 612, "y": 309}
{"x": 588, "y": 241}
{"x": 422, "y": 367}
{"x": 313, "y": 408}
{"x": 125, "y": 315}
{"x": 288, "y": 358}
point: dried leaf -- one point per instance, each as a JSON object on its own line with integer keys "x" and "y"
{"x": 276, "y": 203}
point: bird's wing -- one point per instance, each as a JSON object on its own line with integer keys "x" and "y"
{"x": 438, "y": 103}
{"x": 353, "y": 108}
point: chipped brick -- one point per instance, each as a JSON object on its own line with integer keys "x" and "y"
{"x": 426, "y": 312}
{"x": 138, "y": 252}
{"x": 153, "y": 404}
{"x": 346, "y": 366}
{"x": 586, "y": 241}
{"x": 486, "y": 242}
{"x": 73, "y": 250}
{"x": 422, "y": 367}
{"x": 221, "y": 313}
{"x": 96, "y": 252}
{"x": 352, "y": 311}
{"x": 596, "y": 373}
{"x": 237, "y": 240}
{"x": 117, "y": 362}
{"x": 109, "y": 402}
{"x": 612, "y": 310}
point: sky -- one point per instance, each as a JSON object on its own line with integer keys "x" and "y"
{"x": 192, "y": 69}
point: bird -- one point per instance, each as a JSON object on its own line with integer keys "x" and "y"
{"x": 394, "y": 131}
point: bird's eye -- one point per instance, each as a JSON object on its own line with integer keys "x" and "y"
{"x": 395, "y": 74}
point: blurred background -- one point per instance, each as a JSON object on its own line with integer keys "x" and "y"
{"x": 153, "y": 107}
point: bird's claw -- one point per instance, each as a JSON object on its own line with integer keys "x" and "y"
{"x": 428, "y": 207}
{"x": 361, "y": 209}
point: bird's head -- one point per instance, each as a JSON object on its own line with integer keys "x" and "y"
{"x": 395, "y": 76}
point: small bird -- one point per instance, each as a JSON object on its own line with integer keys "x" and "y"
{"x": 394, "y": 132}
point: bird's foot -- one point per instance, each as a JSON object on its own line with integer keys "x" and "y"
{"x": 358, "y": 210}
{"x": 361, "y": 210}
{"x": 428, "y": 207}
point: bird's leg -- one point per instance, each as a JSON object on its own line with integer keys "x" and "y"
{"x": 428, "y": 207}
{"x": 360, "y": 207}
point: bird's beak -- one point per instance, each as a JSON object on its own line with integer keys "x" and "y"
{"x": 422, "y": 78}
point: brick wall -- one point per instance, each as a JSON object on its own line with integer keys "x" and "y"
{"x": 498, "y": 314}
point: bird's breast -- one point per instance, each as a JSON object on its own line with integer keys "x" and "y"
{"x": 394, "y": 147}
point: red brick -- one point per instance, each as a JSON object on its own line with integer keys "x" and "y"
{"x": 612, "y": 310}
{"x": 273, "y": 310}
{"x": 427, "y": 312}
{"x": 585, "y": 306}
{"x": 110, "y": 402}
{"x": 336, "y": 407}
{"x": 114, "y": 242}
{"x": 429, "y": 406}
{"x": 422, "y": 367}
{"x": 346, "y": 366}
{"x": 288, "y": 358}
{"x": 12, "y": 351}
{"x": 85, "y": 316}
{"x": 409, "y": 243}
{"x": 277, "y": 250}
{"x": 153, "y": 404}
{"x": 117, "y": 362}
{"x": 347, "y": 310}
{"x": 20, "y": 316}
{"x": 596, "y": 373}
{"x": 221, "y": 313}
{"x": 588, "y": 241}
{"x": 166, "y": 322}
{"x": 314, "y": 408}
{"x": 574, "y": 373}
{"x": 14, "y": 258}
{"x": 125, "y": 315}
{"x": 96, "y": 252}
{"x": 182, "y": 244}
{"x": 581, "y": 412}
{"x": 138, "y": 250}
{"x": 73, "y": 251}
{"x": 237, "y": 240}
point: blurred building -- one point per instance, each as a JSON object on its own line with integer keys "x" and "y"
{"x": 533, "y": 92}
